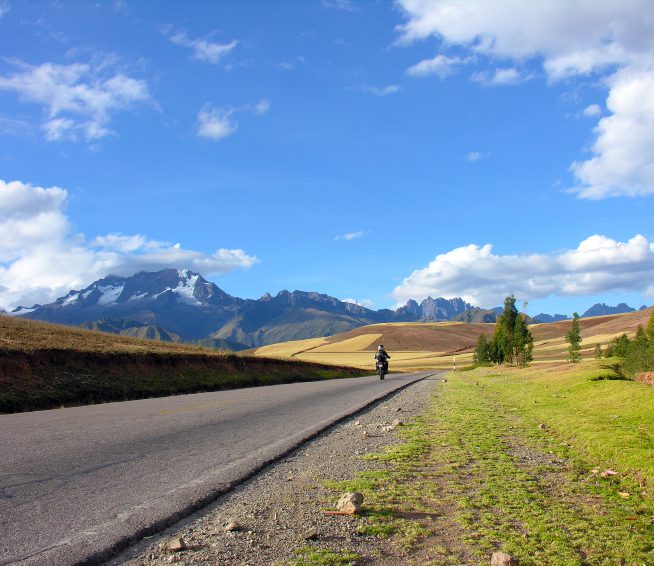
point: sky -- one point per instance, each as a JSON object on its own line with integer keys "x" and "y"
{"x": 373, "y": 151}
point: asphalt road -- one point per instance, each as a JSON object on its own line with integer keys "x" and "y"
{"x": 78, "y": 483}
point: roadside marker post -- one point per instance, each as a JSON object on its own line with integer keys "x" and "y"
{"x": 454, "y": 363}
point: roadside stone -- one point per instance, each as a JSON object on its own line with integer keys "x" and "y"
{"x": 608, "y": 473}
{"x": 350, "y": 502}
{"x": 177, "y": 545}
{"x": 233, "y": 526}
{"x": 503, "y": 559}
{"x": 541, "y": 426}
{"x": 397, "y": 422}
{"x": 310, "y": 534}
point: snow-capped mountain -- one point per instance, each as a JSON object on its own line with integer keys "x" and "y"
{"x": 177, "y": 304}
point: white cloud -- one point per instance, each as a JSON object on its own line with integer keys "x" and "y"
{"x": 348, "y": 236}
{"x": 570, "y": 39}
{"x": 361, "y": 302}
{"x": 441, "y": 66}
{"x": 623, "y": 160}
{"x": 215, "y": 123}
{"x": 592, "y": 110}
{"x": 4, "y": 8}
{"x": 262, "y": 106}
{"x": 79, "y": 99}
{"x": 41, "y": 258}
{"x": 203, "y": 50}
{"x": 499, "y": 77}
{"x": 475, "y": 156}
{"x": 599, "y": 264}
{"x": 380, "y": 91}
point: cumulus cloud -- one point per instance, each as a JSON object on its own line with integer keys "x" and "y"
{"x": 348, "y": 236}
{"x": 499, "y": 77}
{"x": 203, "y": 50}
{"x": 79, "y": 99}
{"x": 440, "y": 66}
{"x": 215, "y": 123}
{"x": 380, "y": 91}
{"x": 623, "y": 151}
{"x": 612, "y": 39}
{"x": 42, "y": 258}
{"x": 598, "y": 264}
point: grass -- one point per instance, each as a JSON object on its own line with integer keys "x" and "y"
{"x": 308, "y": 556}
{"x": 45, "y": 366}
{"x": 508, "y": 459}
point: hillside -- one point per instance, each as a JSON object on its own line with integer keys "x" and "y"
{"x": 48, "y": 365}
{"x": 415, "y": 346}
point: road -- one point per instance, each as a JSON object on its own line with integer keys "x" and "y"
{"x": 77, "y": 484}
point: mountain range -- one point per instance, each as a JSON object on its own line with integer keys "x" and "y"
{"x": 179, "y": 305}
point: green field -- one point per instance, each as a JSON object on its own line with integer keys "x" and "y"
{"x": 553, "y": 466}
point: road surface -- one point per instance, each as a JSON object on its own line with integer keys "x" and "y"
{"x": 77, "y": 484}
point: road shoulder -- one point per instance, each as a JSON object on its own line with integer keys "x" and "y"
{"x": 276, "y": 508}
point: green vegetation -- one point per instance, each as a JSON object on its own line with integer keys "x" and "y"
{"x": 573, "y": 338}
{"x": 512, "y": 341}
{"x": 517, "y": 460}
{"x": 308, "y": 556}
{"x": 638, "y": 353}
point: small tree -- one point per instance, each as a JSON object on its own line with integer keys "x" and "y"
{"x": 574, "y": 339}
{"x": 523, "y": 342}
{"x": 512, "y": 341}
{"x": 482, "y": 354}
{"x": 598, "y": 352}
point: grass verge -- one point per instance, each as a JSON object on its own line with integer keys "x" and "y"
{"x": 512, "y": 460}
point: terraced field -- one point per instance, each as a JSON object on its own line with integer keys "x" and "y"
{"x": 435, "y": 345}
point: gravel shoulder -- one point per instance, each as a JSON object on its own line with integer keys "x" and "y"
{"x": 273, "y": 511}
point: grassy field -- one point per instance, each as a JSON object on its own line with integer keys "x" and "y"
{"x": 416, "y": 346}
{"x": 553, "y": 467}
{"x": 45, "y": 366}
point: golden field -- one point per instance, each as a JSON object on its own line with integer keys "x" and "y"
{"x": 435, "y": 345}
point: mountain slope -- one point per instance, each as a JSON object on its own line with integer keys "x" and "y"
{"x": 178, "y": 305}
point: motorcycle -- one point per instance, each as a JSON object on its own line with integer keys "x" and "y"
{"x": 381, "y": 368}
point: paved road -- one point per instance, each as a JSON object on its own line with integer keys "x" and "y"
{"x": 76, "y": 483}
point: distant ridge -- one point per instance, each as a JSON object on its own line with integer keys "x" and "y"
{"x": 178, "y": 305}
{"x": 601, "y": 309}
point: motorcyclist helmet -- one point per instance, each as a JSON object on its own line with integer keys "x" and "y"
{"x": 380, "y": 347}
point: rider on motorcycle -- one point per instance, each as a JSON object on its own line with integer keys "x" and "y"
{"x": 382, "y": 355}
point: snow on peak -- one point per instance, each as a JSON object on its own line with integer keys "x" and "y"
{"x": 186, "y": 288}
{"x": 110, "y": 294}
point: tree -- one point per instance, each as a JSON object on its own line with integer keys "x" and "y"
{"x": 523, "y": 342}
{"x": 574, "y": 339}
{"x": 512, "y": 341}
{"x": 650, "y": 327}
{"x": 482, "y": 354}
{"x": 598, "y": 352}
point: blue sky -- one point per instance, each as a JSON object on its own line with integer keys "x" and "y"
{"x": 374, "y": 151}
